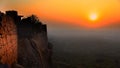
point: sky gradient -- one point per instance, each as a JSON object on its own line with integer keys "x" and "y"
{"x": 68, "y": 12}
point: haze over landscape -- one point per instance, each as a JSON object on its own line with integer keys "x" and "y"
{"x": 83, "y": 32}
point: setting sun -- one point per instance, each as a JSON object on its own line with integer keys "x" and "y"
{"x": 93, "y": 16}
{"x": 81, "y": 13}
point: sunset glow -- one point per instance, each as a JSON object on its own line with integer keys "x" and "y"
{"x": 69, "y": 12}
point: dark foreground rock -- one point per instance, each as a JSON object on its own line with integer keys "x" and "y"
{"x": 23, "y": 42}
{"x": 33, "y": 48}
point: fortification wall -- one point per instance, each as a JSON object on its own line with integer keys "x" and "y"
{"x": 23, "y": 41}
{"x": 8, "y": 40}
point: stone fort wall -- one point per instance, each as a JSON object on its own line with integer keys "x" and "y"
{"x": 8, "y": 40}
{"x": 23, "y": 41}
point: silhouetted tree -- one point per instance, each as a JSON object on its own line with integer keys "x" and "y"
{"x": 31, "y": 19}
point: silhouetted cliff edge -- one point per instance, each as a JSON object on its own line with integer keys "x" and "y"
{"x": 31, "y": 47}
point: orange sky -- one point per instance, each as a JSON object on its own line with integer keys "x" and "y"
{"x": 72, "y": 12}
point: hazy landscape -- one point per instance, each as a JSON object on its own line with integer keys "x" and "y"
{"x": 99, "y": 48}
{"x": 62, "y": 33}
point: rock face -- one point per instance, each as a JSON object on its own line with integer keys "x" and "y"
{"x": 8, "y": 40}
{"x": 33, "y": 44}
{"x": 29, "y": 47}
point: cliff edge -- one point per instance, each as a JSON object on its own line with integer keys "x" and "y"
{"x": 30, "y": 47}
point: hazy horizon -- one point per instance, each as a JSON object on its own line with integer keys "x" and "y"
{"x": 82, "y": 33}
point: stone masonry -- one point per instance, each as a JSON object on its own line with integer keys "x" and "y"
{"x": 8, "y": 40}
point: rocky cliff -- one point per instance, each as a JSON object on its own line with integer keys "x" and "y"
{"x": 28, "y": 45}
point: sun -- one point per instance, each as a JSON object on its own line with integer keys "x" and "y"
{"x": 93, "y": 16}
